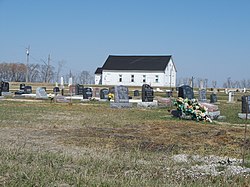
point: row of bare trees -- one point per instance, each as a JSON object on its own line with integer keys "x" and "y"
{"x": 16, "y": 72}
{"x": 229, "y": 83}
{"x": 244, "y": 83}
{"x": 196, "y": 82}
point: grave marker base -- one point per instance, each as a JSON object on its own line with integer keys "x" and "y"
{"x": 214, "y": 114}
{"x": 120, "y": 105}
{"x": 147, "y": 104}
{"x": 243, "y": 115}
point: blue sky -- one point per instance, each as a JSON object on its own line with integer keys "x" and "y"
{"x": 207, "y": 38}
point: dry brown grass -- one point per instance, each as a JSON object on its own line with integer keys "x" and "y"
{"x": 94, "y": 134}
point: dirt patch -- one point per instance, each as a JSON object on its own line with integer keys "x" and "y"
{"x": 154, "y": 137}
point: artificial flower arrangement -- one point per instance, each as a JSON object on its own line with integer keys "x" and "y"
{"x": 191, "y": 107}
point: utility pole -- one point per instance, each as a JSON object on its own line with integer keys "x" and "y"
{"x": 48, "y": 69}
{"x": 245, "y": 132}
{"x": 27, "y": 63}
{"x": 193, "y": 83}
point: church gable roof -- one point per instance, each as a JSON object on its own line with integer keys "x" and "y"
{"x": 98, "y": 70}
{"x": 153, "y": 63}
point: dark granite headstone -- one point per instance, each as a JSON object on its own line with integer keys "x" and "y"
{"x": 213, "y": 98}
{"x": 79, "y": 89}
{"x": 136, "y": 93}
{"x": 19, "y": 92}
{"x": 202, "y": 95}
{"x": 5, "y": 86}
{"x": 147, "y": 93}
{"x": 56, "y": 90}
{"x": 104, "y": 93}
{"x": 22, "y": 86}
{"x": 186, "y": 91}
{"x": 121, "y": 94}
{"x": 28, "y": 89}
{"x": 245, "y": 104}
{"x": 169, "y": 93}
{"x": 87, "y": 93}
{"x": 0, "y": 91}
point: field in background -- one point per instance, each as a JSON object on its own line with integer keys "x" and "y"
{"x": 90, "y": 144}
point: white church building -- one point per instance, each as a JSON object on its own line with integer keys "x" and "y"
{"x": 155, "y": 70}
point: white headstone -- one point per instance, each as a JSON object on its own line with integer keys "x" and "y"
{"x": 201, "y": 84}
{"x": 231, "y": 97}
{"x": 62, "y": 83}
{"x": 41, "y": 93}
{"x": 70, "y": 81}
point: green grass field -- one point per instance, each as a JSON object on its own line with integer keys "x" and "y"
{"x": 90, "y": 144}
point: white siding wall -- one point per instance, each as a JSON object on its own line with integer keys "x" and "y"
{"x": 113, "y": 78}
{"x": 98, "y": 79}
{"x": 170, "y": 74}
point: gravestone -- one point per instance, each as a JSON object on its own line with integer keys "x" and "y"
{"x": 87, "y": 93}
{"x": 96, "y": 92}
{"x": 169, "y": 93}
{"x": 56, "y": 90}
{"x": 41, "y": 93}
{"x": 186, "y": 91}
{"x": 121, "y": 98}
{"x": 21, "y": 89}
{"x": 202, "y": 95}
{"x": 5, "y": 86}
{"x": 245, "y": 108}
{"x": 62, "y": 86}
{"x": 72, "y": 89}
{"x": 230, "y": 97}
{"x": 213, "y": 98}
{"x": 245, "y": 104}
{"x": 21, "y": 86}
{"x": 147, "y": 97}
{"x": 79, "y": 89}
{"x": 28, "y": 90}
{"x": 212, "y": 110}
{"x": 121, "y": 94}
{"x": 61, "y": 99}
{"x": 104, "y": 93}
{"x": 112, "y": 90}
{"x": 136, "y": 93}
{"x": 0, "y": 91}
{"x": 147, "y": 93}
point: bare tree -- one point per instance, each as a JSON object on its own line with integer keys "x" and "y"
{"x": 59, "y": 69}
{"x": 40, "y": 73}
{"x": 214, "y": 84}
{"x": 185, "y": 81}
{"x": 12, "y": 71}
{"x": 84, "y": 77}
{"x": 243, "y": 83}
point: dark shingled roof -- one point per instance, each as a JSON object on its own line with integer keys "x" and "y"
{"x": 155, "y": 63}
{"x": 98, "y": 70}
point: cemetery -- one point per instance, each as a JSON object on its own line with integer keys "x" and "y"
{"x": 195, "y": 136}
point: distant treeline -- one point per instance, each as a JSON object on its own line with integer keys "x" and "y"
{"x": 16, "y": 72}
{"x": 229, "y": 83}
